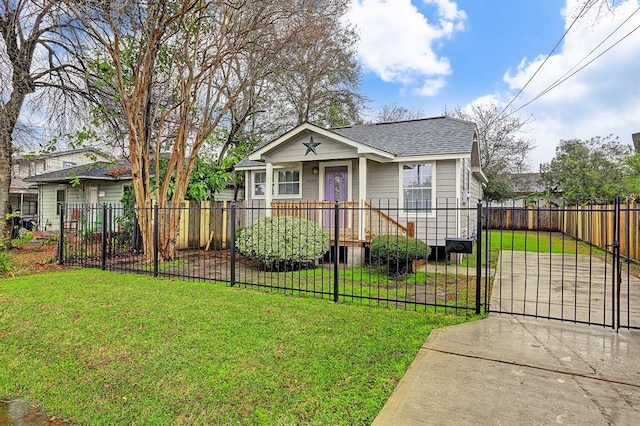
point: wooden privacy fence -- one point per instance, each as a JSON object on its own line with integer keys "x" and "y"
{"x": 520, "y": 219}
{"x": 207, "y": 224}
{"x": 594, "y": 224}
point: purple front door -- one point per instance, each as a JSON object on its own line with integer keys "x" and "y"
{"x": 335, "y": 188}
{"x": 335, "y": 183}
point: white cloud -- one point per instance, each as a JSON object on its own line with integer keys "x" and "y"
{"x": 396, "y": 41}
{"x": 601, "y": 99}
{"x": 431, "y": 87}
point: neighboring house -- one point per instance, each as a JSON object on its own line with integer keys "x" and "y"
{"x": 95, "y": 183}
{"x": 403, "y": 170}
{"x": 23, "y": 195}
{"x": 529, "y": 191}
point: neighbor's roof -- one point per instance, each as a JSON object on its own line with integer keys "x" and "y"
{"x": 427, "y": 136}
{"x": 101, "y": 170}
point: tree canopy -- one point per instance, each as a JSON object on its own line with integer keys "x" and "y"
{"x": 592, "y": 171}
{"x": 175, "y": 75}
{"x": 503, "y": 150}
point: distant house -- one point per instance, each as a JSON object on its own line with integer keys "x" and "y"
{"x": 414, "y": 167}
{"x": 94, "y": 183}
{"x": 23, "y": 194}
{"x": 529, "y": 191}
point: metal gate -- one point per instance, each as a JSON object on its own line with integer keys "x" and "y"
{"x": 575, "y": 263}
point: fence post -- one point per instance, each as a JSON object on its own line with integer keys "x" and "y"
{"x": 487, "y": 255}
{"x": 233, "y": 243}
{"x": 617, "y": 271}
{"x": 103, "y": 240}
{"x": 61, "y": 236}
{"x": 156, "y": 238}
{"x": 478, "y": 255}
{"x": 336, "y": 245}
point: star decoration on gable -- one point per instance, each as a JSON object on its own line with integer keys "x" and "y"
{"x": 311, "y": 146}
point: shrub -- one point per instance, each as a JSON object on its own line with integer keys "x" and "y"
{"x": 283, "y": 243}
{"x": 6, "y": 263}
{"x": 398, "y": 252}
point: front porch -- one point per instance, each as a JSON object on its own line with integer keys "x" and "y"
{"x": 359, "y": 222}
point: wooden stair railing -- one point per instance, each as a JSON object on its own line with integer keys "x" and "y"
{"x": 378, "y": 222}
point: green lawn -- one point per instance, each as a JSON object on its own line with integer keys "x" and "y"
{"x": 102, "y": 348}
{"x": 541, "y": 242}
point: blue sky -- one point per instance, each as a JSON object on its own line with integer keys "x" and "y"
{"x": 432, "y": 54}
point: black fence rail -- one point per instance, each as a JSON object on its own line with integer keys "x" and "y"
{"x": 372, "y": 253}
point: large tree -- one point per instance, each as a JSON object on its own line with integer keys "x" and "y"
{"x": 176, "y": 72}
{"x": 37, "y": 66}
{"x": 590, "y": 171}
{"x": 503, "y": 150}
{"x": 314, "y": 78}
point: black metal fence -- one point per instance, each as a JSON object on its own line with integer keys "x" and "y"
{"x": 330, "y": 254}
{"x": 572, "y": 263}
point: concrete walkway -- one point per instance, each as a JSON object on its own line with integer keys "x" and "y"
{"x": 510, "y": 370}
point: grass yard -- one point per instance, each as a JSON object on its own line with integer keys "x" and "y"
{"x": 370, "y": 285}
{"x": 541, "y": 242}
{"x": 100, "y": 348}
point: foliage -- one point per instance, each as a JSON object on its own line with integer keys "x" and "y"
{"x": 6, "y": 263}
{"x": 283, "y": 242}
{"x": 206, "y": 179}
{"x": 155, "y": 351}
{"x": 127, "y": 224}
{"x": 503, "y": 150}
{"x": 398, "y": 252}
{"x": 174, "y": 74}
{"x": 590, "y": 171}
{"x": 632, "y": 174}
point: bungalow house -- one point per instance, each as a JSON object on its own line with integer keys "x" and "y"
{"x": 23, "y": 195}
{"x": 418, "y": 177}
{"x": 94, "y": 183}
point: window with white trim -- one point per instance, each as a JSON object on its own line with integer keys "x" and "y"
{"x": 417, "y": 188}
{"x": 259, "y": 184}
{"x": 288, "y": 182}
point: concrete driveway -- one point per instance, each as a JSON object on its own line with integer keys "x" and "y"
{"x": 521, "y": 370}
{"x": 577, "y": 288}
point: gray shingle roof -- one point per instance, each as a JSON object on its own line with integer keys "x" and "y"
{"x": 427, "y": 136}
{"x": 101, "y": 170}
{"x": 438, "y": 135}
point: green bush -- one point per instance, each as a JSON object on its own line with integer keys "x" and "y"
{"x": 397, "y": 252}
{"x": 6, "y": 263}
{"x": 283, "y": 243}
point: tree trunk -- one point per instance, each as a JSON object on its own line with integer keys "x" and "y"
{"x": 8, "y": 119}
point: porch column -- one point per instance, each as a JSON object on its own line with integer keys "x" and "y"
{"x": 268, "y": 196}
{"x": 362, "y": 193}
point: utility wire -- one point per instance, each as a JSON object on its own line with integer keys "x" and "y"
{"x": 588, "y": 3}
{"x": 570, "y": 74}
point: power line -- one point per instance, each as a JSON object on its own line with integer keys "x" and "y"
{"x": 570, "y": 74}
{"x": 588, "y": 3}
